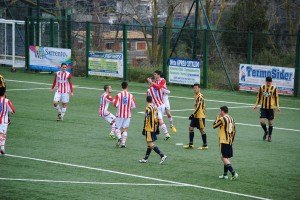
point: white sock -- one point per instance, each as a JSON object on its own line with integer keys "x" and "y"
{"x": 63, "y": 111}
{"x": 118, "y": 133}
{"x": 164, "y": 129}
{"x": 113, "y": 129}
{"x": 124, "y": 137}
{"x": 57, "y": 108}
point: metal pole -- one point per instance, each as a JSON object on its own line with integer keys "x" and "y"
{"x": 37, "y": 21}
{"x": 217, "y": 46}
{"x": 87, "y": 49}
{"x": 297, "y": 66}
{"x": 13, "y": 45}
{"x": 51, "y": 32}
{"x": 205, "y": 58}
{"x": 173, "y": 49}
{"x": 165, "y": 53}
{"x": 125, "y": 48}
{"x": 27, "y": 43}
{"x": 195, "y": 30}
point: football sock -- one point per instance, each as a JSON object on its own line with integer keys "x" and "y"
{"x": 118, "y": 133}
{"x": 225, "y": 170}
{"x": 229, "y": 167}
{"x": 270, "y": 130}
{"x": 170, "y": 120}
{"x": 264, "y": 127}
{"x": 148, "y": 151}
{"x": 57, "y": 108}
{"x": 192, "y": 137}
{"x": 2, "y": 139}
{"x": 156, "y": 149}
{"x": 204, "y": 139}
{"x": 124, "y": 137}
{"x": 63, "y": 111}
{"x": 163, "y": 127}
{"x": 113, "y": 128}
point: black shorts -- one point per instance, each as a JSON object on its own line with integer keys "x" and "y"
{"x": 150, "y": 136}
{"x": 267, "y": 113}
{"x": 198, "y": 123}
{"x": 226, "y": 150}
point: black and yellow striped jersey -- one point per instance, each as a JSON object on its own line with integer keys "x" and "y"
{"x": 268, "y": 97}
{"x": 199, "y": 105}
{"x": 2, "y": 82}
{"x": 227, "y": 129}
{"x": 151, "y": 118}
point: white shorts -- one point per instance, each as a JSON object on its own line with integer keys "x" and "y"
{"x": 122, "y": 122}
{"x": 65, "y": 97}
{"x": 167, "y": 103}
{"x": 161, "y": 111}
{"x": 109, "y": 118}
{"x": 3, "y": 128}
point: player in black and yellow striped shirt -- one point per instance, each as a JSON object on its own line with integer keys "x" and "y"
{"x": 197, "y": 119}
{"x": 268, "y": 97}
{"x": 226, "y": 138}
{"x": 150, "y": 130}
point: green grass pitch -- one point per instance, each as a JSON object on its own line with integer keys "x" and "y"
{"x": 75, "y": 159}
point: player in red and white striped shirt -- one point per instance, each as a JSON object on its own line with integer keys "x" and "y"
{"x": 160, "y": 83}
{"x": 124, "y": 102}
{"x": 62, "y": 81}
{"x": 105, "y": 100}
{"x": 5, "y": 107}
{"x": 157, "y": 99}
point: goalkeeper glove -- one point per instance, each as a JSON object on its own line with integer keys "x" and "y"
{"x": 143, "y": 132}
{"x": 191, "y": 117}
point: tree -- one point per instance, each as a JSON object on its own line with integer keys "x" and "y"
{"x": 244, "y": 17}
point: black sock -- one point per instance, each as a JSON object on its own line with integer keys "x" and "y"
{"x": 270, "y": 130}
{"x": 191, "y": 138}
{"x": 204, "y": 139}
{"x": 230, "y": 168}
{"x": 156, "y": 149}
{"x": 148, "y": 151}
{"x": 264, "y": 127}
{"x": 225, "y": 170}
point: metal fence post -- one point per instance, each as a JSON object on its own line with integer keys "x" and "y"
{"x": 87, "y": 49}
{"x": 165, "y": 53}
{"x": 125, "y": 53}
{"x": 27, "y": 43}
{"x": 205, "y": 58}
{"x": 51, "y": 32}
{"x": 69, "y": 32}
{"x": 297, "y": 66}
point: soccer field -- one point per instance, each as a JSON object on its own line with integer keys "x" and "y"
{"x": 75, "y": 158}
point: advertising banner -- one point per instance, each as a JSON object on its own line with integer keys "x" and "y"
{"x": 183, "y": 71}
{"x": 251, "y": 77}
{"x": 106, "y": 64}
{"x": 49, "y": 58}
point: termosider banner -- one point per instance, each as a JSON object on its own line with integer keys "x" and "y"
{"x": 48, "y": 58}
{"x": 106, "y": 64}
{"x": 184, "y": 71}
{"x": 251, "y": 77}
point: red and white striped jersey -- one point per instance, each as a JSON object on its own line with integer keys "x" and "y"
{"x": 63, "y": 82}
{"x": 161, "y": 85}
{"x": 124, "y": 102}
{"x": 157, "y": 96}
{"x": 5, "y": 107}
{"x": 104, "y": 103}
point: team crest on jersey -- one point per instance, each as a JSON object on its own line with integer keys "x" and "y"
{"x": 267, "y": 94}
{"x": 125, "y": 100}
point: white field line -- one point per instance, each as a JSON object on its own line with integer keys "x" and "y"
{"x": 231, "y": 107}
{"x": 88, "y": 88}
{"x": 243, "y": 124}
{"x": 137, "y": 176}
{"x": 91, "y": 183}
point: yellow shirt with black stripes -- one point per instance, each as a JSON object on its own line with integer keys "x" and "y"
{"x": 227, "y": 129}
{"x": 268, "y": 96}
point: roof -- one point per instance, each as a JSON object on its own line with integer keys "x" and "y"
{"x": 112, "y": 34}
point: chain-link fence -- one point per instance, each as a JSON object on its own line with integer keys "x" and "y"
{"x": 148, "y": 48}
